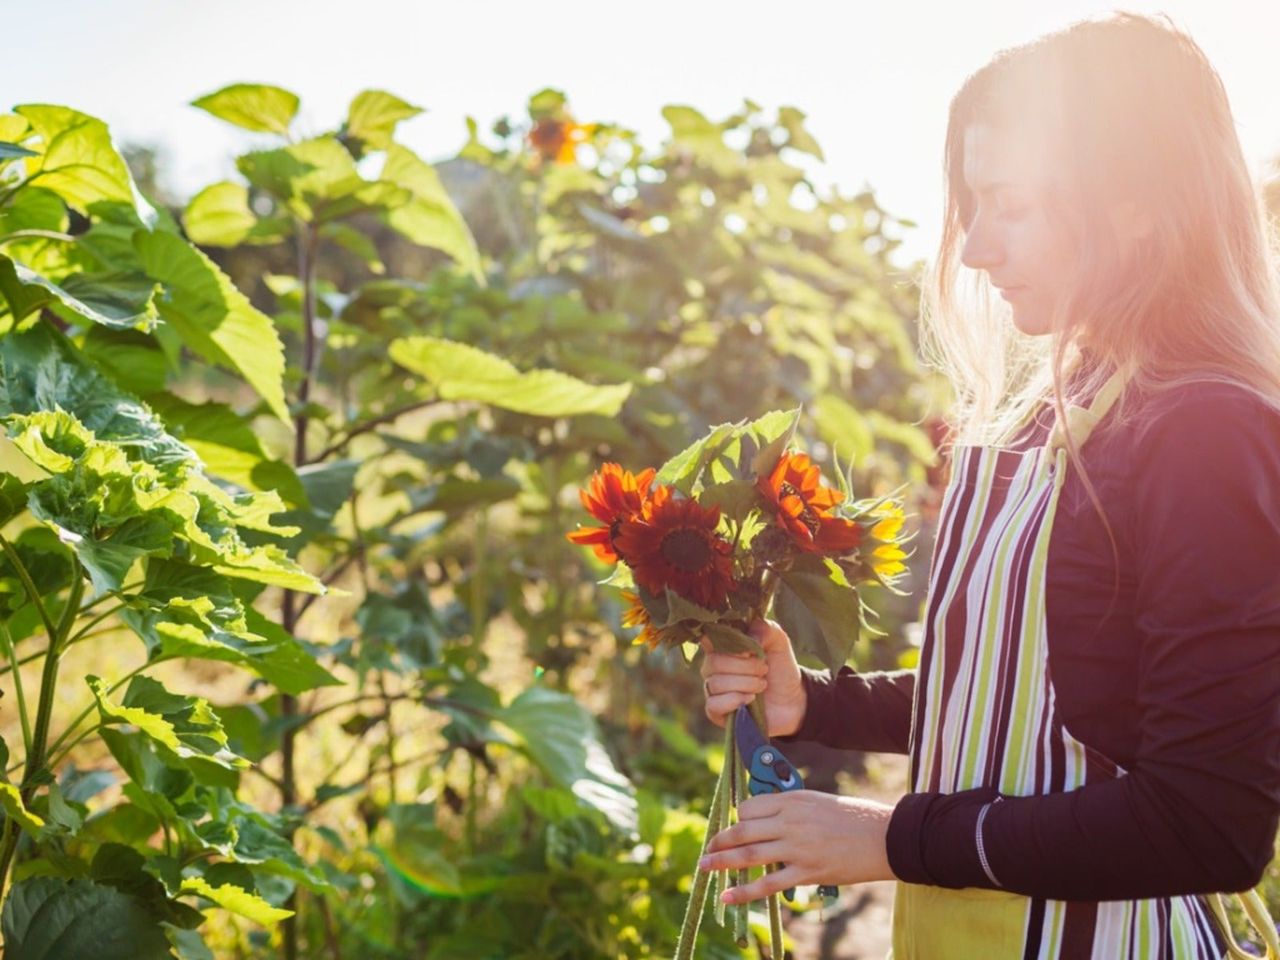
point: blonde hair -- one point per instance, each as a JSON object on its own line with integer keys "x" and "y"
{"x": 1137, "y": 114}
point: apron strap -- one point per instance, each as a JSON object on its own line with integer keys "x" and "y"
{"x": 1082, "y": 420}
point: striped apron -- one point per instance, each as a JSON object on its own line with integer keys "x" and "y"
{"x": 985, "y": 716}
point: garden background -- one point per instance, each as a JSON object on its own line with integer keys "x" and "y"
{"x": 291, "y": 453}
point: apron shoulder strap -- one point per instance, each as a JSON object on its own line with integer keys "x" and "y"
{"x": 1082, "y": 420}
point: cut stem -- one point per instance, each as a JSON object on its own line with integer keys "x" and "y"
{"x": 701, "y": 879}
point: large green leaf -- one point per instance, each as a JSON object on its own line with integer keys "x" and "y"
{"x": 219, "y": 216}
{"x": 16, "y": 810}
{"x": 430, "y": 217}
{"x": 373, "y": 116}
{"x": 186, "y": 726}
{"x": 819, "y": 610}
{"x": 462, "y": 372}
{"x": 228, "y": 446}
{"x": 186, "y": 611}
{"x": 561, "y": 737}
{"x": 253, "y": 106}
{"x": 78, "y": 162}
{"x": 318, "y": 181}
{"x": 133, "y": 360}
{"x": 41, "y": 370}
{"x": 50, "y": 918}
{"x": 214, "y": 318}
{"x": 122, "y": 301}
{"x": 237, "y": 900}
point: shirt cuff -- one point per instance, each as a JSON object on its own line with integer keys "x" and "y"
{"x": 932, "y": 838}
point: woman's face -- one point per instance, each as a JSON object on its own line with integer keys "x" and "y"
{"x": 1008, "y": 234}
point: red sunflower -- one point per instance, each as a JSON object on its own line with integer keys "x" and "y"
{"x": 804, "y": 507}
{"x": 676, "y": 545}
{"x": 612, "y": 496}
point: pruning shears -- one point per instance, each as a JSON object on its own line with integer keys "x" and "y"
{"x": 768, "y": 771}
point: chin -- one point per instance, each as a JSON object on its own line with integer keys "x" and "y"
{"x": 1030, "y": 323}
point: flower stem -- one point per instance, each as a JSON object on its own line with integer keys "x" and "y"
{"x": 698, "y": 894}
{"x": 776, "y": 951}
{"x": 740, "y": 876}
{"x": 721, "y": 881}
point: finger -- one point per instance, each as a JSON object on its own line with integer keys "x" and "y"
{"x": 720, "y": 706}
{"x": 763, "y": 805}
{"x": 746, "y": 855}
{"x": 743, "y": 832}
{"x": 735, "y": 664}
{"x": 719, "y": 683}
{"x": 773, "y": 882}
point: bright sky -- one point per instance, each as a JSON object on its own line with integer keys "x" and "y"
{"x": 874, "y": 78}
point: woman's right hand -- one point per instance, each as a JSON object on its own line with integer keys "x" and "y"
{"x": 733, "y": 679}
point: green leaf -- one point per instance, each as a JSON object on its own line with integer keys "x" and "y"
{"x": 430, "y": 217}
{"x": 373, "y": 117}
{"x": 727, "y": 639}
{"x": 772, "y": 433}
{"x": 462, "y": 372}
{"x": 219, "y": 216}
{"x": 253, "y": 106}
{"x": 121, "y": 301}
{"x": 185, "y": 726}
{"x": 16, "y": 810}
{"x": 13, "y": 497}
{"x": 351, "y": 239}
{"x": 735, "y": 498}
{"x": 798, "y": 138}
{"x": 50, "y": 918}
{"x": 41, "y": 370}
{"x": 133, "y": 360}
{"x": 561, "y": 738}
{"x": 78, "y": 161}
{"x": 214, "y": 318}
{"x": 318, "y": 181}
{"x": 818, "y": 610}
{"x": 682, "y": 470}
{"x": 237, "y": 900}
{"x": 228, "y": 446}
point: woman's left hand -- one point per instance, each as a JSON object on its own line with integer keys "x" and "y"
{"x": 819, "y": 837}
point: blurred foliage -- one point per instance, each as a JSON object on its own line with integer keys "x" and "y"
{"x": 333, "y": 413}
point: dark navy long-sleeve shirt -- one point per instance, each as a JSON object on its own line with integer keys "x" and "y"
{"x": 1177, "y": 679}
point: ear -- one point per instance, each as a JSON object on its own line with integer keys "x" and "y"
{"x": 1129, "y": 223}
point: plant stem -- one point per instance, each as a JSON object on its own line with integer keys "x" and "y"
{"x": 48, "y": 684}
{"x": 720, "y": 882}
{"x": 698, "y": 894}
{"x": 741, "y": 876}
{"x": 776, "y": 950}
{"x": 12, "y": 656}
{"x": 308, "y": 237}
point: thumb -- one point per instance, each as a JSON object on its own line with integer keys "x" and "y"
{"x": 770, "y": 636}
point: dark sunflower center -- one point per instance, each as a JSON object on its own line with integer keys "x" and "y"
{"x": 686, "y": 549}
{"x": 808, "y": 516}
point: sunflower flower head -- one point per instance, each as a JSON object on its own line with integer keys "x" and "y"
{"x": 637, "y": 616}
{"x": 883, "y": 549}
{"x": 613, "y": 496}
{"x": 804, "y": 508}
{"x": 675, "y": 544}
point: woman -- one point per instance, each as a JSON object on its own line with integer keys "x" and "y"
{"x": 1094, "y": 728}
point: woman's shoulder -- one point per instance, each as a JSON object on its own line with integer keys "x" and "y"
{"x": 1203, "y": 404}
{"x": 1203, "y": 424}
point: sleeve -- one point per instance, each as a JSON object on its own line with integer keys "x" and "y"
{"x": 1197, "y": 810}
{"x": 857, "y": 711}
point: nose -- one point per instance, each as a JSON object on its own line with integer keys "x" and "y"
{"x": 983, "y": 249}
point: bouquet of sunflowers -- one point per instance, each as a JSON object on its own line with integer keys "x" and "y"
{"x": 737, "y": 527}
